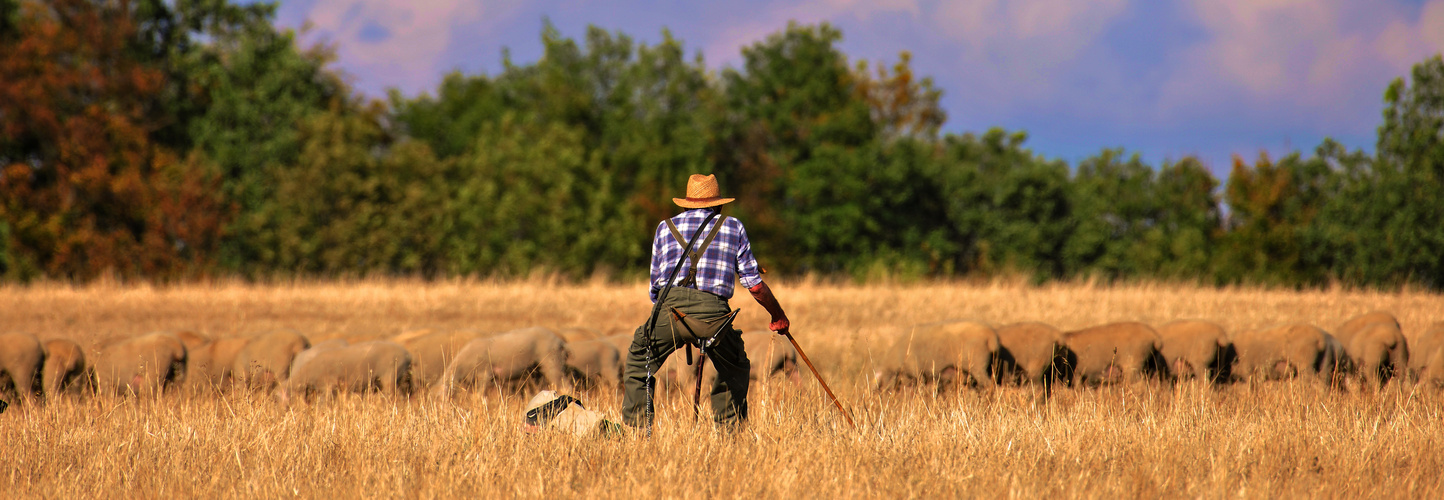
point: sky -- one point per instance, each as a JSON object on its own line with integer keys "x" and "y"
{"x": 1162, "y": 78}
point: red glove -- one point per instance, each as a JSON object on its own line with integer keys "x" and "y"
{"x": 764, "y": 296}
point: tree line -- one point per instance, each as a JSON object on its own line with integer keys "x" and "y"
{"x": 176, "y": 140}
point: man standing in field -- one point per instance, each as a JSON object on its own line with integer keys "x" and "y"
{"x": 721, "y": 257}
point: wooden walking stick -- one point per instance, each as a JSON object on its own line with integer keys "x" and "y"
{"x": 803, "y": 355}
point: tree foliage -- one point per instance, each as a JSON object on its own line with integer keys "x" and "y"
{"x": 1272, "y": 204}
{"x": 87, "y": 188}
{"x": 169, "y": 139}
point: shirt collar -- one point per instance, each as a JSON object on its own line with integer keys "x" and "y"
{"x": 701, "y": 211}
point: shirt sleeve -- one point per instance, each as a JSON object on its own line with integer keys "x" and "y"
{"x": 658, "y": 274}
{"x": 748, "y": 272}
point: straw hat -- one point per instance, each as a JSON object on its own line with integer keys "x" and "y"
{"x": 702, "y": 192}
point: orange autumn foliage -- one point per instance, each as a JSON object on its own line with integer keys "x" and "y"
{"x": 84, "y": 187}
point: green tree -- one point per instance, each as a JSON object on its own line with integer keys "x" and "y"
{"x": 1134, "y": 221}
{"x": 657, "y": 123}
{"x": 1272, "y": 208}
{"x": 1345, "y": 237}
{"x": 794, "y": 97}
{"x": 357, "y": 202}
{"x": 1409, "y": 184}
{"x": 1008, "y": 209}
{"x": 449, "y": 121}
{"x": 644, "y": 113}
{"x": 532, "y": 198}
{"x": 244, "y": 90}
{"x": 1184, "y": 238}
{"x": 1114, "y": 205}
{"x": 323, "y": 200}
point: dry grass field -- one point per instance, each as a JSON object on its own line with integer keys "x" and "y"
{"x": 1261, "y": 441}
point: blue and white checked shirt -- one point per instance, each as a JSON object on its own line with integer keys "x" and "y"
{"x": 727, "y": 260}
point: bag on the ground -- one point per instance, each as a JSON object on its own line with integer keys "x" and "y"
{"x": 549, "y": 410}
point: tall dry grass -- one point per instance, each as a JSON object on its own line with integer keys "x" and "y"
{"x": 1265, "y": 440}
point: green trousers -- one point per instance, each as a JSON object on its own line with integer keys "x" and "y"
{"x": 727, "y": 355}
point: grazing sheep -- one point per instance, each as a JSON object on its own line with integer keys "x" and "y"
{"x": 266, "y": 360}
{"x": 432, "y": 352}
{"x": 1422, "y": 348}
{"x": 1197, "y": 349}
{"x": 1113, "y": 353}
{"x": 512, "y": 356}
{"x": 1432, "y": 370}
{"x": 948, "y": 353}
{"x": 1030, "y": 352}
{"x": 209, "y": 364}
{"x": 595, "y": 363}
{"x": 144, "y": 365}
{"x": 65, "y": 369}
{"x": 1287, "y": 351}
{"x": 21, "y": 359}
{"x": 1376, "y": 347}
{"x": 365, "y": 367}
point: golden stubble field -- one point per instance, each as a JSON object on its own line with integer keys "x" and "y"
{"x": 1263, "y": 441}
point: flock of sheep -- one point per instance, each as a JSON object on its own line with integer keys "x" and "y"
{"x": 1369, "y": 350}
{"x": 287, "y": 364}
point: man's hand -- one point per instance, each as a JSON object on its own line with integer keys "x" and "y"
{"x": 779, "y": 325}
{"x": 763, "y": 295}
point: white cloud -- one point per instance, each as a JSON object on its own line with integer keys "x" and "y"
{"x": 1034, "y": 52}
{"x": 417, "y": 34}
{"x": 1323, "y": 61}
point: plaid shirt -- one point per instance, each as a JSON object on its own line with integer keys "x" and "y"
{"x": 727, "y": 260}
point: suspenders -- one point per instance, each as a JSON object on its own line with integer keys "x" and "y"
{"x": 690, "y": 281}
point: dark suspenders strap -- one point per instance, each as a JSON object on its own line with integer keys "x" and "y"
{"x": 691, "y": 280}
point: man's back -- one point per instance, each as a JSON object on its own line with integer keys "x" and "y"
{"x": 726, "y": 259}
